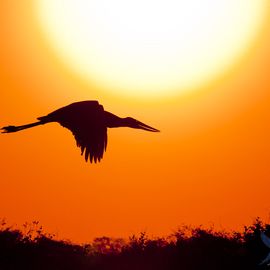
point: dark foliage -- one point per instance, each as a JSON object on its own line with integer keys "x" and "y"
{"x": 186, "y": 249}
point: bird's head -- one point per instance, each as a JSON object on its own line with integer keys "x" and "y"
{"x": 133, "y": 123}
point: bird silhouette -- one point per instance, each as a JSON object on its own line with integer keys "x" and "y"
{"x": 88, "y": 122}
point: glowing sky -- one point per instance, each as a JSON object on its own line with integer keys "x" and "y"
{"x": 209, "y": 164}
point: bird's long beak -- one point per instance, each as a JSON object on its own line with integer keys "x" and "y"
{"x": 146, "y": 127}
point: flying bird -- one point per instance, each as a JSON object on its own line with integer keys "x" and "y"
{"x": 88, "y": 122}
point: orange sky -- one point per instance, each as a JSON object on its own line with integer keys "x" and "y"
{"x": 209, "y": 165}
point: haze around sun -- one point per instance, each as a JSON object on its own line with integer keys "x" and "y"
{"x": 150, "y": 48}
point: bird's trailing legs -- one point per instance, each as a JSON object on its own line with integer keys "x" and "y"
{"x": 9, "y": 129}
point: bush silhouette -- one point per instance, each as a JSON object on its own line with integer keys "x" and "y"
{"x": 186, "y": 249}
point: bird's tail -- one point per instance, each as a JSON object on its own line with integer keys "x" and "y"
{"x": 9, "y": 129}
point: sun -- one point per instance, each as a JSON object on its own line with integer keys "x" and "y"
{"x": 150, "y": 47}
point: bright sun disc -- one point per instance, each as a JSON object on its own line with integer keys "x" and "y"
{"x": 151, "y": 47}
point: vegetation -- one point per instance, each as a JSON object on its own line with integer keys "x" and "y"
{"x": 186, "y": 249}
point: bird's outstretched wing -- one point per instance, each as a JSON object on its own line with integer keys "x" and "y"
{"x": 86, "y": 121}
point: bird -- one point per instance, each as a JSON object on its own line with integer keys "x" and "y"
{"x": 266, "y": 240}
{"x": 88, "y": 122}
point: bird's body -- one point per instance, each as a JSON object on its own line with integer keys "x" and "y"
{"x": 88, "y": 122}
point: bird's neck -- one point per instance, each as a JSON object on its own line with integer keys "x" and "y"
{"x": 112, "y": 120}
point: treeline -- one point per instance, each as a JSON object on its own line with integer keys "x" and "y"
{"x": 186, "y": 249}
